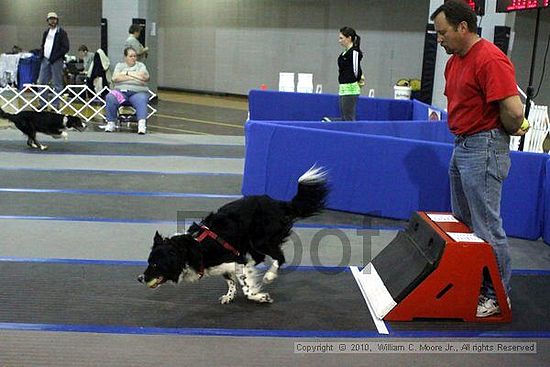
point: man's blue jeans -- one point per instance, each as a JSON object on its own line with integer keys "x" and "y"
{"x": 51, "y": 72}
{"x": 478, "y": 167}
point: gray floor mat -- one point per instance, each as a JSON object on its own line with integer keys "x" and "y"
{"x": 150, "y": 207}
{"x": 106, "y": 206}
{"x": 109, "y": 295}
{"x": 120, "y": 181}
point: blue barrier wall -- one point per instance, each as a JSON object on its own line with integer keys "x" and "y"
{"x": 434, "y": 131}
{"x": 522, "y": 206}
{"x": 283, "y": 106}
{"x": 381, "y": 175}
{"x": 378, "y": 175}
{"x": 384, "y": 168}
{"x": 546, "y": 204}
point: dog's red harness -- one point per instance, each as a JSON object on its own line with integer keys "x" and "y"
{"x": 206, "y": 232}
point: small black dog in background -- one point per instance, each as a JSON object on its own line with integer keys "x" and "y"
{"x": 231, "y": 241}
{"x": 49, "y": 123}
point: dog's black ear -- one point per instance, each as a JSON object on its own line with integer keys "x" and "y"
{"x": 157, "y": 240}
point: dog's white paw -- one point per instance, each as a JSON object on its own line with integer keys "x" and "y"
{"x": 226, "y": 298}
{"x": 63, "y": 135}
{"x": 261, "y": 297}
{"x": 269, "y": 277}
{"x": 43, "y": 147}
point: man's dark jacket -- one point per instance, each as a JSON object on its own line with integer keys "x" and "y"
{"x": 60, "y": 44}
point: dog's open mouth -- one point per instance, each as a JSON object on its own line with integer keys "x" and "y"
{"x": 155, "y": 282}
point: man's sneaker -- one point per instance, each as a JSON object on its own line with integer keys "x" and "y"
{"x": 488, "y": 306}
{"x": 326, "y": 119}
{"x": 142, "y": 127}
{"x": 110, "y": 127}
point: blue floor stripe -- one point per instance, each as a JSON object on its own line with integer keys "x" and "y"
{"x": 74, "y": 261}
{"x": 346, "y": 226}
{"x": 530, "y": 272}
{"x": 188, "y": 331}
{"x": 155, "y": 221}
{"x": 88, "y": 219}
{"x": 117, "y": 171}
{"x": 148, "y": 143}
{"x": 516, "y": 272}
{"x": 123, "y": 155}
{"x": 120, "y": 193}
{"x": 267, "y": 333}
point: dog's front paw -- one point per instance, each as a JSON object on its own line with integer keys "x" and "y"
{"x": 42, "y": 147}
{"x": 226, "y": 298}
{"x": 261, "y": 298}
{"x": 63, "y": 135}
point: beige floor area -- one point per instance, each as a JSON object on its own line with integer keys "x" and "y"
{"x": 233, "y": 101}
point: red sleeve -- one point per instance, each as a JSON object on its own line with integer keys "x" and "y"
{"x": 498, "y": 78}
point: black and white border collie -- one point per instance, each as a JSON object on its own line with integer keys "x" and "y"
{"x": 231, "y": 241}
{"x": 49, "y": 123}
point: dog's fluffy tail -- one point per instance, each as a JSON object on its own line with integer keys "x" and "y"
{"x": 312, "y": 193}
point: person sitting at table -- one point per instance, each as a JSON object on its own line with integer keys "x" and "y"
{"x": 130, "y": 84}
{"x": 86, "y": 57}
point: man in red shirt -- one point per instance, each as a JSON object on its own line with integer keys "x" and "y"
{"x": 483, "y": 110}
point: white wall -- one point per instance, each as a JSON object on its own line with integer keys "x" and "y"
{"x": 233, "y": 46}
{"x": 119, "y": 15}
{"x": 23, "y": 22}
{"x": 523, "y": 49}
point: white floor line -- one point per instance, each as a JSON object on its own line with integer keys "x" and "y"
{"x": 380, "y": 324}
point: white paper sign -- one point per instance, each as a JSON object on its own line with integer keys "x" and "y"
{"x": 464, "y": 237}
{"x": 442, "y": 218}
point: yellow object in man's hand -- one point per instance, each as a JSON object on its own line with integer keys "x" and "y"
{"x": 525, "y": 125}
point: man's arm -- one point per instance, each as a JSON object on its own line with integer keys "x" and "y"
{"x": 511, "y": 115}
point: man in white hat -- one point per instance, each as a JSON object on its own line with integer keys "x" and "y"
{"x": 54, "y": 47}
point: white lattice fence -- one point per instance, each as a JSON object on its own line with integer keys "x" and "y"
{"x": 540, "y": 128}
{"x": 72, "y": 100}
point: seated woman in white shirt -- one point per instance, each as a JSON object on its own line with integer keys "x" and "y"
{"x": 130, "y": 79}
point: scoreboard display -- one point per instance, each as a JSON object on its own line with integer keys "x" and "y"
{"x": 504, "y": 6}
{"x": 478, "y": 6}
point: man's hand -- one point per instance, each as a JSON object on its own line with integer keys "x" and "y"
{"x": 523, "y": 129}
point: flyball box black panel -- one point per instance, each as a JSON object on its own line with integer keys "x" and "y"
{"x": 409, "y": 258}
